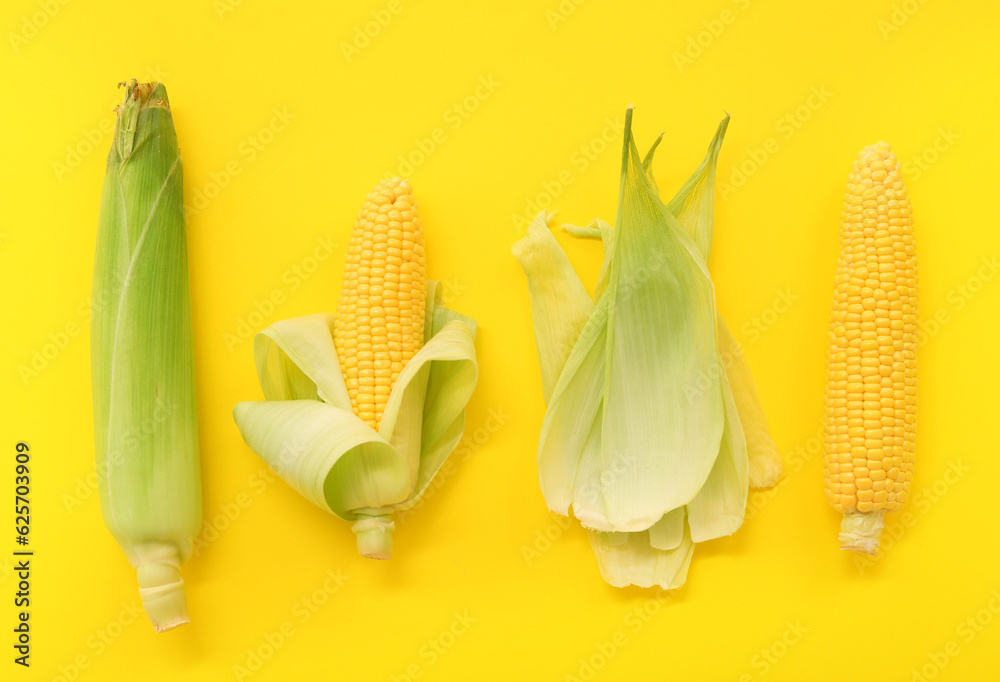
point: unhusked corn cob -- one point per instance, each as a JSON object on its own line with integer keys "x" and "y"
{"x": 871, "y": 390}
{"x": 380, "y": 319}
{"x": 142, "y": 355}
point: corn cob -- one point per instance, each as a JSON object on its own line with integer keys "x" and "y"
{"x": 373, "y": 410}
{"x": 142, "y": 360}
{"x": 871, "y": 391}
{"x": 380, "y": 319}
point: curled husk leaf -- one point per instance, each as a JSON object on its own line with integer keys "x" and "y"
{"x": 307, "y": 432}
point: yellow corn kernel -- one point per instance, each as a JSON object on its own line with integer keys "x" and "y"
{"x": 380, "y": 320}
{"x": 870, "y": 412}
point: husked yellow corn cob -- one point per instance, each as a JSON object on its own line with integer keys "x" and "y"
{"x": 871, "y": 390}
{"x": 380, "y": 320}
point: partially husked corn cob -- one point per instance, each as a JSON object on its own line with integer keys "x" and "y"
{"x": 871, "y": 391}
{"x": 370, "y": 437}
{"x": 380, "y": 319}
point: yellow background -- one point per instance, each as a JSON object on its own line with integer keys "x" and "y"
{"x": 920, "y": 75}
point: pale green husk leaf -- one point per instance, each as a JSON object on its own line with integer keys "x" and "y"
{"x": 718, "y": 508}
{"x": 560, "y": 306}
{"x": 577, "y": 469}
{"x": 764, "y": 458}
{"x": 668, "y": 532}
{"x": 328, "y": 455}
{"x": 630, "y": 559}
{"x": 308, "y": 433}
{"x": 610, "y": 409}
{"x": 694, "y": 208}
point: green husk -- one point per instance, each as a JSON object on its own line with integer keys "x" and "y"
{"x": 694, "y": 208}
{"x": 653, "y": 427}
{"x": 307, "y": 432}
{"x": 654, "y": 319}
{"x": 142, "y": 363}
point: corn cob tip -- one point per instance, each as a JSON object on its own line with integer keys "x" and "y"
{"x": 374, "y": 536}
{"x": 145, "y": 94}
{"x": 861, "y": 531}
{"x": 140, "y": 97}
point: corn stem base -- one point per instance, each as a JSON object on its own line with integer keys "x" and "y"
{"x": 860, "y": 531}
{"x": 374, "y": 535}
{"x": 161, "y": 587}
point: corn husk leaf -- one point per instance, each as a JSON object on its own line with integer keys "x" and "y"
{"x": 630, "y": 559}
{"x": 718, "y": 508}
{"x": 610, "y": 407}
{"x": 668, "y": 532}
{"x": 694, "y": 204}
{"x": 308, "y": 433}
{"x": 328, "y": 455}
{"x": 694, "y": 208}
{"x": 293, "y": 359}
{"x": 560, "y": 305}
{"x": 764, "y": 458}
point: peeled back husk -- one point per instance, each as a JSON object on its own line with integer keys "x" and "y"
{"x": 308, "y": 433}
{"x": 655, "y": 310}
